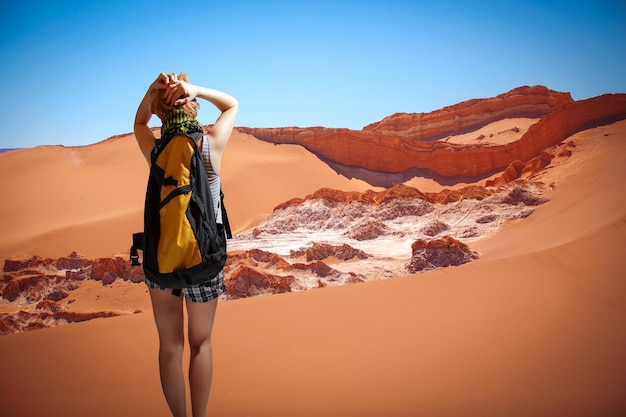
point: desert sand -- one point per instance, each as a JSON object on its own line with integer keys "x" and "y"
{"x": 535, "y": 327}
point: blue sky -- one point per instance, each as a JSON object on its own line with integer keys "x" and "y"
{"x": 74, "y": 71}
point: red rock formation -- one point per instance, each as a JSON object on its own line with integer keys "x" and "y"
{"x": 394, "y": 153}
{"x": 248, "y": 282}
{"x": 520, "y": 195}
{"x": 434, "y": 228}
{"x": 337, "y": 197}
{"x": 431, "y": 254}
{"x": 367, "y": 229}
{"x": 73, "y": 261}
{"x": 445, "y": 196}
{"x": 36, "y": 278}
{"x": 48, "y": 305}
{"x": 109, "y": 269}
{"x": 33, "y": 287}
{"x": 11, "y": 265}
{"x": 75, "y": 316}
{"x": 256, "y": 256}
{"x": 57, "y": 295}
{"x": 400, "y": 200}
{"x": 321, "y": 251}
{"x": 44, "y": 282}
{"x": 319, "y": 268}
{"x": 519, "y": 169}
{"x": 473, "y": 114}
{"x": 48, "y": 315}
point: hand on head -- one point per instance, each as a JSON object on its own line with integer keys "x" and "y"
{"x": 163, "y": 80}
{"x": 177, "y": 92}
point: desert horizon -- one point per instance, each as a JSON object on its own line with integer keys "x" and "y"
{"x": 466, "y": 261}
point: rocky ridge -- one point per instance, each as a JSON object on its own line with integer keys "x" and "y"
{"x": 470, "y": 115}
{"x": 35, "y": 286}
{"x": 383, "y": 228}
{"x": 395, "y": 146}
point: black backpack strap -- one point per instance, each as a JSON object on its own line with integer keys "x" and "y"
{"x": 225, "y": 221}
{"x": 137, "y": 244}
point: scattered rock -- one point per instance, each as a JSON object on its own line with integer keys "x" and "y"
{"x": 443, "y": 252}
{"x": 367, "y": 229}
{"x": 57, "y": 295}
{"x": 48, "y": 314}
{"x": 564, "y": 153}
{"x": 470, "y": 233}
{"x": 519, "y": 195}
{"x": 248, "y": 282}
{"x": 434, "y": 228}
{"x": 49, "y": 306}
{"x": 319, "y": 268}
{"x": 487, "y": 219}
{"x": 320, "y": 251}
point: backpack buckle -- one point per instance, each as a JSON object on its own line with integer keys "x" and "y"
{"x": 134, "y": 260}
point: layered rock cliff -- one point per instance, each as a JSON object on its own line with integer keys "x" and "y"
{"x": 402, "y": 143}
{"x": 533, "y": 102}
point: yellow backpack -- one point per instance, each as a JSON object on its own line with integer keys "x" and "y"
{"x": 182, "y": 243}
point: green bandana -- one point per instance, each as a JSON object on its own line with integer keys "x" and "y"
{"x": 177, "y": 121}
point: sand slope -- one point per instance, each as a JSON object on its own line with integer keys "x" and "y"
{"x": 90, "y": 199}
{"x": 591, "y": 197}
{"x": 536, "y": 327}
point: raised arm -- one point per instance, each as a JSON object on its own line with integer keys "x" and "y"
{"x": 177, "y": 92}
{"x": 223, "y": 126}
{"x": 180, "y": 92}
{"x": 143, "y": 133}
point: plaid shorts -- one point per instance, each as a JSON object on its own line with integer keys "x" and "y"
{"x": 201, "y": 293}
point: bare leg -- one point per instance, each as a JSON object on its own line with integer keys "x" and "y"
{"x": 200, "y": 325}
{"x": 169, "y": 319}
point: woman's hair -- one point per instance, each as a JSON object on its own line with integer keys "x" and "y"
{"x": 161, "y": 108}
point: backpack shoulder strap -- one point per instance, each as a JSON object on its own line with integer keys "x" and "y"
{"x": 225, "y": 221}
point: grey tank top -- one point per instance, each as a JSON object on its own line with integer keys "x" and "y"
{"x": 214, "y": 178}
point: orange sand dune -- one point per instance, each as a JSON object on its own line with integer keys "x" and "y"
{"x": 90, "y": 199}
{"x": 536, "y": 327}
{"x": 257, "y": 176}
{"x": 593, "y": 197}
